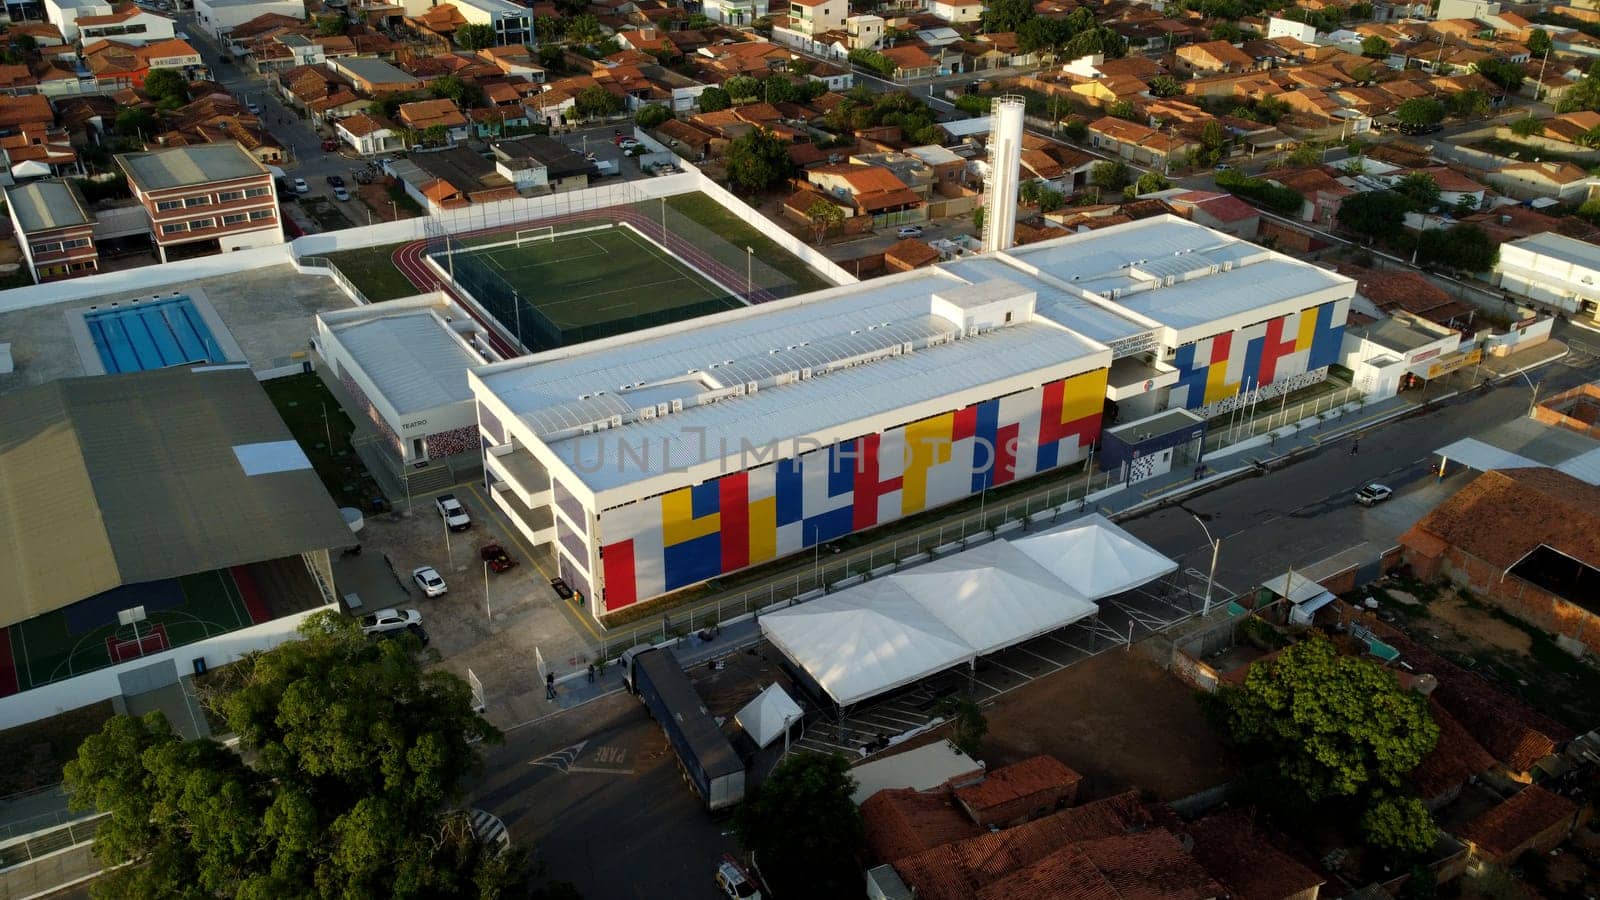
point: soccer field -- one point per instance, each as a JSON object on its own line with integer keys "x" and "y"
{"x": 586, "y": 285}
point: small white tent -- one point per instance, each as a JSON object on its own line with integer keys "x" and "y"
{"x": 1095, "y": 557}
{"x": 767, "y": 716}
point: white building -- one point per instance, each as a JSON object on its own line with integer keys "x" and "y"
{"x": 956, "y": 12}
{"x": 1300, "y": 31}
{"x": 218, "y": 17}
{"x": 659, "y": 459}
{"x": 512, "y": 22}
{"x": 1559, "y": 272}
{"x": 91, "y": 20}
{"x": 735, "y": 12}
{"x": 1380, "y": 355}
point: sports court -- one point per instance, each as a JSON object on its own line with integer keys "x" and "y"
{"x": 87, "y": 636}
{"x": 583, "y": 283}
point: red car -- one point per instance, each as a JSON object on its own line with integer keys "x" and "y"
{"x": 329, "y": 144}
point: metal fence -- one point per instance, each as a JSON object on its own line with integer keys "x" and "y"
{"x": 21, "y": 851}
{"x": 1271, "y": 415}
{"x": 339, "y": 278}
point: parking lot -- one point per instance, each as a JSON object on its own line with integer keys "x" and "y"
{"x": 496, "y": 624}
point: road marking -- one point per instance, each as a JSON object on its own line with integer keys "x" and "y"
{"x": 562, "y": 759}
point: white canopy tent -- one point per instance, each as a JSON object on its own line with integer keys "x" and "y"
{"x": 1096, "y": 558}
{"x": 895, "y": 630}
{"x": 769, "y": 715}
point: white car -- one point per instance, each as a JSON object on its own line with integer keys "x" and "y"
{"x": 254, "y": 107}
{"x": 300, "y": 186}
{"x": 1373, "y": 494}
{"x": 627, "y": 143}
{"x": 429, "y": 579}
{"x": 385, "y": 620}
{"x": 454, "y": 514}
{"x": 340, "y": 193}
{"x": 734, "y": 881}
{"x": 909, "y": 231}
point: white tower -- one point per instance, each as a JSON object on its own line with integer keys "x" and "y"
{"x": 1005, "y": 166}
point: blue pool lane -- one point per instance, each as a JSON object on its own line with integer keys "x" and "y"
{"x": 152, "y": 335}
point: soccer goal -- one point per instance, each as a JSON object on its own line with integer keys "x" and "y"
{"x": 535, "y": 235}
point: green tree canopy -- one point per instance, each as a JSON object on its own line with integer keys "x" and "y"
{"x": 1399, "y": 826}
{"x": 1325, "y": 725}
{"x": 1150, "y": 182}
{"x": 166, "y": 85}
{"x": 357, "y": 755}
{"x": 804, "y": 828}
{"x": 714, "y": 98}
{"x": 1006, "y": 15}
{"x": 1464, "y": 248}
{"x": 824, "y": 217}
{"x": 1469, "y": 103}
{"x": 1374, "y": 46}
{"x": 1506, "y": 74}
{"x": 596, "y": 101}
{"x": 1527, "y": 127}
{"x": 1166, "y": 86}
{"x": 742, "y": 87}
{"x": 651, "y": 115}
{"x": 758, "y": 160}
{"x": 133, "y": 120}
{"x": 475, "y": 36}
{"x": 1042, "y": 34}
{"x": 1538, "y": 41}
{"x": 332, "y": 26}
{"x": 1420, "y": 111}
{"x": 466, "y": 94}
{"x": 584, "y": 29}
{"x": 1419, "y": 189}
{"x": 1124, "y": 109}
{"x": 1110, "y": 176}
{"x": 779, "y": 89}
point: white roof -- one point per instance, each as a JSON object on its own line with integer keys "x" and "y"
{"x": 1559, "y": 246}
{"x": 1476, "y": 454}
{"x": 766, "y": 717}
{"x": 898, "y": 629}
{"x": 923, "y": 768}
{"x": 1303, "y": 589}
{"x": 1096, "y": 558}
{"x": 1526, "y": 442}
{"x": 412, "y": 358}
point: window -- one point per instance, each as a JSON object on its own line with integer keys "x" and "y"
{"x": 136, "y": 29}
{"x": 235, "y": 218}
{"x": 197, "y": 224}
{"x": 174, "y": 228}
{"x": 260, "y": 214}
{"x": 230, "y": 196}
{"x": 52, "y": 247}
{"x": 256, "y": 192}
{"x": 197, "y": 201}
{"x": 75, "y": 243}
{"x": 164, "y": 205}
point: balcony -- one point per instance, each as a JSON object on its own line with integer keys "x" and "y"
{"x": 537, "y": 524}
{"x": 522, "y": 474}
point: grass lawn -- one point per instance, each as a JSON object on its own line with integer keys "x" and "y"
{"x": 35, "y": 752}
{"x": 329, "y": 217}
{"x": 313, "y": 415}
{"x": 708, "y": 212}
{"x": 372, "y": 271}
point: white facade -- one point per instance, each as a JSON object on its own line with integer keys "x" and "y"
{"x": 218, "y": 17}
{"x": 735, "y": 12}
{"x": 1300, "y": 31}
{"x": 512, "y": 22}
{"x": 1560, "y": 272}
{"x": 64, "y": 14}
{"x": 956, "y": 12}
{"x": 1005, "y": 155}
{"x": 1379, "y": 356}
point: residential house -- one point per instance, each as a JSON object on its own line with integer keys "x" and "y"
{"x": 1106, "y": 91}
{"x": 1212, "y": 57}
{"x": 206, "y": 199}
{"x": 368, "y": 135}
{"x": 911, "y": 62}
{"x": 115, "y": 63}
{"x": 1247, "y": 860}
{"x": 1224, "y": 212}
{"x": 690, "y": 141}
{"x": 450, "y": 179}
{"x": 128, "y": 23}
{"x": 1138, "y": 143}
{"x": 1323, "y": 193}
{"x": 1454, "y": 187}
{"x": 511, "y": 21}
{"x": 515, "y": 60}
{"x": 1572, "y": 127}
{"x": 873, "y": 191}
{"x": 219, "y": 17}
{"x": 53, "y": 228}
{"x": 903, "y": 256}
{"x": 816, "y": 26}
{"x": 1534, "y": 820}
{"x": 1561, "y": 181}
{"x": 956, "y": 12}
{"x": 735, "y": 12}
{"x": 421, "y": 116}
{"x": 541, "y": 165}
{"x": 374, "y": 76}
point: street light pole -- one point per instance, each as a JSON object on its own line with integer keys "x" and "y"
{"x": 749, "y": 271}
{"x": 1211, "y": 579}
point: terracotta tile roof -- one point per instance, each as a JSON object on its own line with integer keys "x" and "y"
{"x": 1553, "y": 172}
{"x": 864, "y": 179}
{"x": 902, "y": 822}
{"x": 1508, "y": 827}
{"x": 873, "y": 201}
{"x": 361, "y": 125}
{"x": 1246, "y": 860}
{"x": 1222, "y": 207}
{"x": 955, "y": 870}
{"x": 1031, "y": 776}
{"x": 425, "y": 113}
{"x": 911, "y": 253}
{"x": 1453, "y": 760}
{"x": 1150, "y": 865}
{"x": 908, "y": 57}
{"x": 1502, "y": 515}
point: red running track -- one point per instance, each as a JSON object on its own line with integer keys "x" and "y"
{"x": 409, "y": 260}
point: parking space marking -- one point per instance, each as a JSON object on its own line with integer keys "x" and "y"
{"x": 516, "y": 538}
{"x": 1039, "y": 656}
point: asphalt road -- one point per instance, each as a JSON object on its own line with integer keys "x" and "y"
{"x": 1306, "y": 511}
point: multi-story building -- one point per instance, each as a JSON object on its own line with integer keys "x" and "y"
{"x": 218, "y": 17}
{"x": 209, "y": 198}
{"x": 53, "y": 228}
{"x": 813, "y": 17}
{"x": 127, "y": 23}
{"x": 512, "y": 22}
{"x": 735, "y": 12}
{"x": 656, "y": 460}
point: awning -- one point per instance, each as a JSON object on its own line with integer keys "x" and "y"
{"x": 1096, "y": 558}
{"x": 767, "y": 716}
{"x": 1476, "y": 454}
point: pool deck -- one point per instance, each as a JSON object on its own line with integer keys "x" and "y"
{"x": 269, "y": 312}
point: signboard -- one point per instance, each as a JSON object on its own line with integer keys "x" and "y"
{"x": 1454, "y": 361}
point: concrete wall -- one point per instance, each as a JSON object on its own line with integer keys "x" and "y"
{"x": 1539, "y": 608}
{"x": 102, "y": 684}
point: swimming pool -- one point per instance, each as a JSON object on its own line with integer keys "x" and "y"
{"x": 152, "y": 334}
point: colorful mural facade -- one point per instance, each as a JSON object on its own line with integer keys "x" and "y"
{"x": 746, "y": 518}
{"x": 1226, "y": 364}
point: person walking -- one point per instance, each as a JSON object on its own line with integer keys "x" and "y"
{"x": 1355, "y": 447}
{"x": 591, "y": 673}
{"x": 550, "y": 685}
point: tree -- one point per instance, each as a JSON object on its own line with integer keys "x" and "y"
{"x": 651, "y": 115}
{"x": 1374, "y": 47}
{"x": 357, "y": 752}
{"x": 1165, "y": 86}
{"x": 714, "y": 98}
{"x": 873, "y": 60}
{"x": 1123, "y": 109}
{"x": 742, "y": 87}
{"x": 967, "y": 724}
{"x": 1420, "y": 111}
{"x": 1109, "y": 176}
{"x": 452, "y": 87}
{"x": 133, "y": 120}
{"x": 779, "y": 89}
{"x": 475, "y": 36}
{"x": 1399, "y": 826}
{"x": 549, "y": 30}
{"x": 596, "y": 101}
{"x": 1150, "y": 182}
{"x": 982, "y": 212}
{"x": 584, "y": 29}
{"x": 824, "y": 217}
{"x": 1507, "y": 75}
{"x": 166, "y": 85}
{"x": 1419, "y": 189}
{"x": 1006, "y": 15}
{"x": 757, "y": 160}
{"x": 1076, "y": 129}
{"x": 1465, "y": 206}
{"x": 1527, "y": 127}
{"x": 1305, "y": 154}
{"x": 1464, "y": 248}
{"x": 1583, "y": 95}
{"x": 1469, "y": 103}
{"x": 1324, "y": 725}
{"x": 1042, "y": 34}
{"x": 804, "y": 829}
{"x": 1538, "y": 41}
{"x": 332, "y": 26}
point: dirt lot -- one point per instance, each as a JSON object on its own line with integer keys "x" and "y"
{"x": 1119, "y": 720}
{"x": 34, "y": 753}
